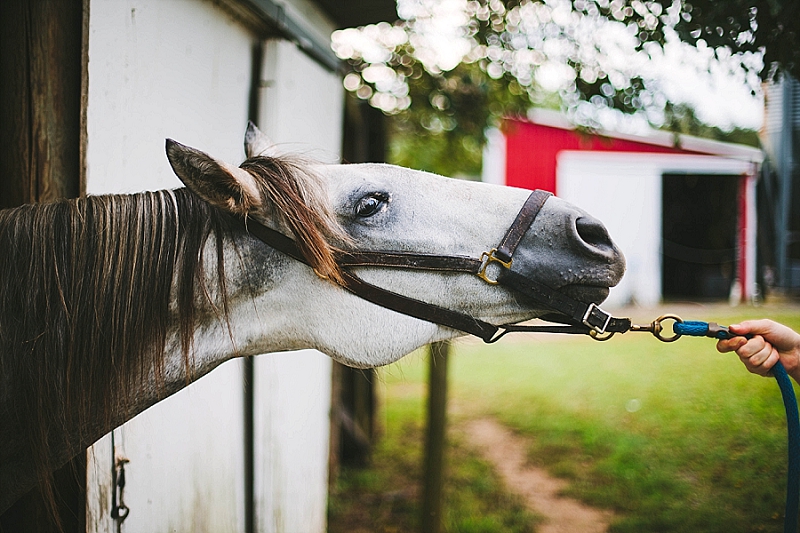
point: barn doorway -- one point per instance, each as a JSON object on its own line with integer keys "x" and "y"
{"x": 698, "y": 236}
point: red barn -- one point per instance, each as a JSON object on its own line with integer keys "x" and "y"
{"x": 681, "y": 208}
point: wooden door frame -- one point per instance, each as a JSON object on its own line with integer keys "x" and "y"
{"x": 43, "y": 97}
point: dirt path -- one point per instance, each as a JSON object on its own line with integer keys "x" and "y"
{"x": 506, "y": 451}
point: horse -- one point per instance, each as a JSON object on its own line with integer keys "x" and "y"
{"x": 109, "y": 304}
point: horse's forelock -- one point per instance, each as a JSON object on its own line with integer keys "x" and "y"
{"x": 301, "y": 203}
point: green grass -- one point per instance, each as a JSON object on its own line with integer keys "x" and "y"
{"x": 671, "y": 437}
{"x": 385, "y": 497}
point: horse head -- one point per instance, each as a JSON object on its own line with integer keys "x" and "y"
{"x": 378, "y": 208}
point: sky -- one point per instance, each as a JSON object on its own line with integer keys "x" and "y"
{"x": 716, "y": 89}
{"x": 720, "y": 97}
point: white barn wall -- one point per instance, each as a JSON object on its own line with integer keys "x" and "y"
{"x": 186, "y": 471}
{"x": 623, "y": 190}
{"x": 301, "y": 110}
{"x": 177, "y": 69}
{"x": 493, "y": 169}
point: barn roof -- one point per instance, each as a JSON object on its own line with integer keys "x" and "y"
{"x": 270, "y": 18}
{"x": 532, "y": 147}
{"x": 350, "y": 13}
{"x": 678, "y": 142}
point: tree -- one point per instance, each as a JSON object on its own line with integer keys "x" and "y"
{"x": 767, "y": 27}
{"x": 591, "y": 58}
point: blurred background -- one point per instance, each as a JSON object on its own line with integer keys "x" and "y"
{"x": 674, "y": 122}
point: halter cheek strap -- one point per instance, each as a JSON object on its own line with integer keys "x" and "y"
{"x": 502, "y": 255}
{"x": 384, "y": 297}
{"x": 527, "y": 214}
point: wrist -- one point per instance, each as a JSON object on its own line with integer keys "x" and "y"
{"x": 792, "y": 367}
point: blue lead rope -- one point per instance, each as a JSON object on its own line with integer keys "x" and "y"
{"x": 696, "y": 328}
{"x": 793, "y": 429}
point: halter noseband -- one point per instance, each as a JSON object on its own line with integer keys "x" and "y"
{"x": 574, "y": 315}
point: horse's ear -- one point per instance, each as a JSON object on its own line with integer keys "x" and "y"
{"x": 220, "y": 184}
{"x": 257, "y": 143}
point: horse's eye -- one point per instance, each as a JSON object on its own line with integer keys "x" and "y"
{"x": 371, "y": 204}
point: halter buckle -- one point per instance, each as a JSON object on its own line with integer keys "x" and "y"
{"x": 596, "y": 318}
{"x": 486, "y": 259}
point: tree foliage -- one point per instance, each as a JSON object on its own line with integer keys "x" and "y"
{"x": 767, "y": 27}
{"x": 591, "y": 58}
{"x": 442, "y": 129}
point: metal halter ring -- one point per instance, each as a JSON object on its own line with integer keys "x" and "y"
{"x": 658, "y": 328}
{"x": 596, "y": 335}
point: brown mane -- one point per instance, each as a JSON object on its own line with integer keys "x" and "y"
{"x": 90, "y": 288}
{"x": 301, "y": 206}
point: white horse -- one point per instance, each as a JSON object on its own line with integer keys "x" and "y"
{"x": 109, "y": 304}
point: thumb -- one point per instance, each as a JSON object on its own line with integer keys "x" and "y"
{"x": 753, "y": 327}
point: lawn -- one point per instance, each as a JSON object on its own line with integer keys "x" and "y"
{"x": 672, "y": 437}
{"x": 385, "y": 497}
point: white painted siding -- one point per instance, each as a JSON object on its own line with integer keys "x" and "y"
{"x": 177, "y": 69}
{"x": 494, "y": 158}
{"x": 301, "y": 104}
{"x": 187, "y": 468}
{"x": 181, "y": 69}
{"x": 301, "y": 111}
{"x": 625, "y": 194}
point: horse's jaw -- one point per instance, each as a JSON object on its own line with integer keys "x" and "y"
{"x": 305, "y": 311}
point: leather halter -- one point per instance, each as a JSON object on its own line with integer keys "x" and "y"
{"x": 574, "y": 315}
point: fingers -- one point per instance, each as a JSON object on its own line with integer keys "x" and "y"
{"x": 758, "y": 355}
{"x": 771, "y": 342}
{"x": 731, "y": 345}
{"x": 762, "y": 362}
{"x": 780, "y": 336}
{"x": 760, "y": 327}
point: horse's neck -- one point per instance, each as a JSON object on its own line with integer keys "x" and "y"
{"x": 225, "y": 324}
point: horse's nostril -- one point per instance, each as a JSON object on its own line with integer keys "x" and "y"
{"x": 593, "y": 233}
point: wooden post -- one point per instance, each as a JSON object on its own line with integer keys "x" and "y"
{"x": 43, "y": 64}
{"x": 435, "y": 439}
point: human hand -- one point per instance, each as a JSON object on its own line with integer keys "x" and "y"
{"x": 771, "y": 342}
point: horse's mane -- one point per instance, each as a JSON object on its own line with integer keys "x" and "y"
{"x": 90, "y": 287}
{"x": 301, "y": 204}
